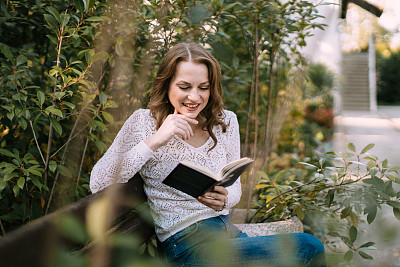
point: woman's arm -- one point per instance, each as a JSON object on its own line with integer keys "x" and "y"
{"x": 126, "y": 155}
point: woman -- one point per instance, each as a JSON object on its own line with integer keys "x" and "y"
{"x": 185, "y": 120}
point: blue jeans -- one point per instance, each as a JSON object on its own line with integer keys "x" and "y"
{"x": 217, "y": 242}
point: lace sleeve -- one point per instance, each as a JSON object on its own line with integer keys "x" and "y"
{"x": 126, "y": 155}
{"x": 233, "y": 153}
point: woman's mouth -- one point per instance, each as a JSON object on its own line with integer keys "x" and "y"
{"x": 191, "y": 105}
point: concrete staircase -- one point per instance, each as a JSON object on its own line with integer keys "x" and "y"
{"x": 355, "y": 94}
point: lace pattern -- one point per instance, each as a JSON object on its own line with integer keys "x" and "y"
{"x": 172, "y": 210}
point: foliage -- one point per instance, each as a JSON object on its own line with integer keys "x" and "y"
{"x": 47, "y": 100}
{"x": 389, "y": 78}
{"x": 359, "y": 184}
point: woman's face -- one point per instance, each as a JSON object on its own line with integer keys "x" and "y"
{"x": 189, "y": 89}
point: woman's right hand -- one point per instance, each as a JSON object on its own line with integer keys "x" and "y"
{"x": 174, "y": 124}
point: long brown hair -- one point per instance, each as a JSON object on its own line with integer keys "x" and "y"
{"x": 159, "y": 105}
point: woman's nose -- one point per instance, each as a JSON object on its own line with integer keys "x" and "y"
{"x": 194, "y": 95}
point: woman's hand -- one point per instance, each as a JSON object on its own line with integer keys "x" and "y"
{"x": 216, "y": 199}
{"x": 174, "y": 124}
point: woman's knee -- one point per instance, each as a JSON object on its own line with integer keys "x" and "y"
{"x": 312, "y": 250}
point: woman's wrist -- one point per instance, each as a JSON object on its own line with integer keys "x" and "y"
{"x": 153, "y": 142}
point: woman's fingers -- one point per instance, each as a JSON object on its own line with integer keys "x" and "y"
{"x": 215, "y": 199}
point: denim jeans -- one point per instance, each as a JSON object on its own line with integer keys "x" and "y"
{"x": 217, "y": 242}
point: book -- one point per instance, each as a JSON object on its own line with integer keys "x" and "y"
{"x": 195, "y": 180}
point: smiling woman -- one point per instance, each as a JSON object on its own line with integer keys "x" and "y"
{"x": 185, "y": 113}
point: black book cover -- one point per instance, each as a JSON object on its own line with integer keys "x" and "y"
{"x": 189, "y": 181}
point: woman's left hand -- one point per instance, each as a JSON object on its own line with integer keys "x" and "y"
{"x": 216, "y": 199}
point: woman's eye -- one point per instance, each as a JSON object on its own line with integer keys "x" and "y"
{"x": 203, "y": 88}
{"x": 183, "y": 87}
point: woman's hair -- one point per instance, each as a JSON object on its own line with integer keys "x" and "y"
{"x": 159, "y": 105}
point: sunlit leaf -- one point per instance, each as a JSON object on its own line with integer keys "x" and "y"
{"x": 21, "y": 182}
{"x": 366, "y": 148}
{"x": 52, "y": 165}
{"x": 351, "y": 147}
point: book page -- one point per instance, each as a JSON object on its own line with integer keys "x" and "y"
{"x": 232, "y": 165}
{"x": 201, "y": 169}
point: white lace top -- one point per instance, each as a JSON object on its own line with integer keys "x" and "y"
{"x": 172, "y": 210}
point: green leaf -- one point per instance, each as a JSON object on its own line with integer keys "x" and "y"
{"x": 34, "y": 171}
{"x": 348, "y": 256}
{"x": 21, "y": 182}
{"x": 21, "y": 59}
{"x": 16, "y": 190}
{"x": 80, "y": 5}
{"x": 330, "y": 196}
{"x": 101, "y": 146}
{"x": 64, "y": 19}
{"x": 372, "y": 210}
{"x": 23, "y": 123}
{"x": 36, "y": 182}
{"x": 59, "y": 95}
{"x": 54, "y": 12}
{"x": 308, "y": 164}
{"x": 10, "y": 115}
{"x": 351, "y": 147}
{"x": 368, "y": 244}
{"x": 53, "y": 23}
{"x": 52, "y": 165}
{"x": 353, "y": 234}
{"x": 64, "y": 171}
{"x": 394, "y": 204}
{"x": 345, "y": 212}
{"x": 365, "y": 255}
{"x": 54, "y": 111}
{"x": 41, "y": 97}
{"x": 354, "y": 219}
{"x": 368, "y": 147}
{"x": 103, "y": 98}
{"x": 52, "y": 39}
{"x": 70, "y": 105}
{"x": 90, "y": 3}
{"x": 108, "y": 117}
{"x": 56, "y": 125}
{"x": 7, "y": 153}
{"x": 5, "y": 50}
{"x": 9, "y": 176}
{"x": 300, "y": 213}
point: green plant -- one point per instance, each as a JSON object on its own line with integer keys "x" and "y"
{"x": 47, "y": 100}
{"x": 388, "y": 78}
{"x": 359, "y": 184}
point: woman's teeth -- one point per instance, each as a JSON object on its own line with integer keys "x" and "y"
{"x": 191, "y": 106}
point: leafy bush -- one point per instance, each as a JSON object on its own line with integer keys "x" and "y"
{"x": 389, "y": 78}
{"x": 47, "y": 100}
{"x": 357, "y": 184}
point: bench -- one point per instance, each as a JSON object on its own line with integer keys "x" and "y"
{"x": 31, "y": 244}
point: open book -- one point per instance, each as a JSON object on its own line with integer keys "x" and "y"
{"x": 195, "y": 180}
